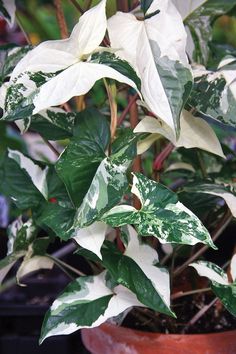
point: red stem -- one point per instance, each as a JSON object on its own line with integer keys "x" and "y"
{"x": 160, "y": 159}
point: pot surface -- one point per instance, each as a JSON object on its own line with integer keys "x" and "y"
{"x": 109, "y": 339}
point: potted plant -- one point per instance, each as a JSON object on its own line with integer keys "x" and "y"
{"x": 142, "y": 198}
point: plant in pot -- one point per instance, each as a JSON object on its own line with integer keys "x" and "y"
{"x": 142, "y": 198}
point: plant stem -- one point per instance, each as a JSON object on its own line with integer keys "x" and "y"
{"x": 202, "y": 164}
{"x": 137, "y": 164}
{"x": 78, "y": 7}
{"x": 122, "y": 5}
{"x": 111, "y": 93}
{"x": 186, "y": 293}
{"x": 51, "y": 147}
{"x": 87, "y": 5}
{"x": 220, "y": 228}
{"x": 199, "y": 314}
{"x": 63, "y": 264}
{"x": 160, "y": 159}
{"x": 127, "y": 108}
{"x": 61, "y": 19}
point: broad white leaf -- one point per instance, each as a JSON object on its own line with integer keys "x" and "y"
{"x": 211, "y": 271}
{"x": 154, "y": 47}
{"x": 146, "y": 258}
{"x": 194, "y": 133}
{"x": 233, "y": 267}
{"x": 32, "y": 264}
{"x": 37, "y": 175}
{"x": 77, "y": 80}
{"x": 186, "y": 7}
{"x": 92, "y": 237}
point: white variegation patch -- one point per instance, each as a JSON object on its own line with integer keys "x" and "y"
{"x": 211, "y": 271}
{"x": 186, "y": 7}
{"x": 233, "y": 267}
{"x": 146, "y": 258}
{"x": 10, "y": 8}
{"x": 92, "y": 237}
{"x": 37, "y": 175}
{"x": 32, "y": 264}
{"x": 194, "y": 133}
{"x": 13, "y": 228}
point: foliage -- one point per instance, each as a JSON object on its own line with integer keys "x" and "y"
{"x": 94, "y": 193}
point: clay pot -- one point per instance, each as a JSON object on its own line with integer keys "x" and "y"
{"x": 109, "y": 339}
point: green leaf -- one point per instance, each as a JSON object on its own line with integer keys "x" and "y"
{"x": 227, "y": 295}
{"x": 108, "y": 185}
{"x": 20, "y": 235}
{"x": 122, "y": 66}
{"x": 81, "y": 158}
{"x": 145, "y": 4}
{"x": 161, "y": 215}
{"x": 59, "y": 219}
{"x": 54, "y": 124}
{"x": 16, "y": 183}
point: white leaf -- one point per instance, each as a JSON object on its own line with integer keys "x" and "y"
{"x": 146, "y": 258}
{"x": 233, "y": 267}
{"x": 211, "y": 271}
{"x": 37, "y": 175}
{"x": 132, "y": 37}
{"x": 11, "y": 9}
{"x": 92, "y": 237}
{"x": 77, "y": 80}
{"x": 32, "y": 264}
{"x": 194, "y": 133}
{"x": 52, "y": 56}
{"x": 186, "y": 7}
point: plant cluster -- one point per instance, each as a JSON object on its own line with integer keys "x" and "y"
{"x": 132, "y": 194}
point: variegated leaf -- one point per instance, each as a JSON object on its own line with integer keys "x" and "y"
{"x": 86, "y": 302}
{"x": 194, "y": 133}
{"x": 157, "y": 52}
{"x": 161, "y": 215}
{"x": 220, "y": 285}
{"x": 227, "y": 193}
{"x": 139, "y": 271}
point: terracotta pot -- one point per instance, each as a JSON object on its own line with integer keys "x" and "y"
{"x": 109, "y": 339}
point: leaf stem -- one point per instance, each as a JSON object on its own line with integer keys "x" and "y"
{"x": 111, "y": 93}
{"x": 78, "y": 7}
{"x": 180, "y": 294}
{"x": 51, "y": 147}
{"x": 218, "y": 231}
{"x": 127, "y": 108}
{"x": 61, "y": 19}
{"x": 160, "y": 159}
{"x": 63, "y": 264}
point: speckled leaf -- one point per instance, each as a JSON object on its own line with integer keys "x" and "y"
{"x": 214, "y": 98}
{"x": 227, "y": 193}
{"x": 79, "y": 161}
{"x": 137, "y": 270}
{"x": 20, "y": 94}
{"x": 161, "y": 215}
{"x": 220, "y": 285}
{"x": 108, "y": 185}
{"x": 9, "y": 58}
{"x": 199, "y": 27}
{"x": 86, "y": 302}
{"x": 20, "y": 235}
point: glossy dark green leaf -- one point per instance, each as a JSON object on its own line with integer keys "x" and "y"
{"x": 145, "y": 4}
{"x": 80, "y": 160}
{"x": 227, "y": 295}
